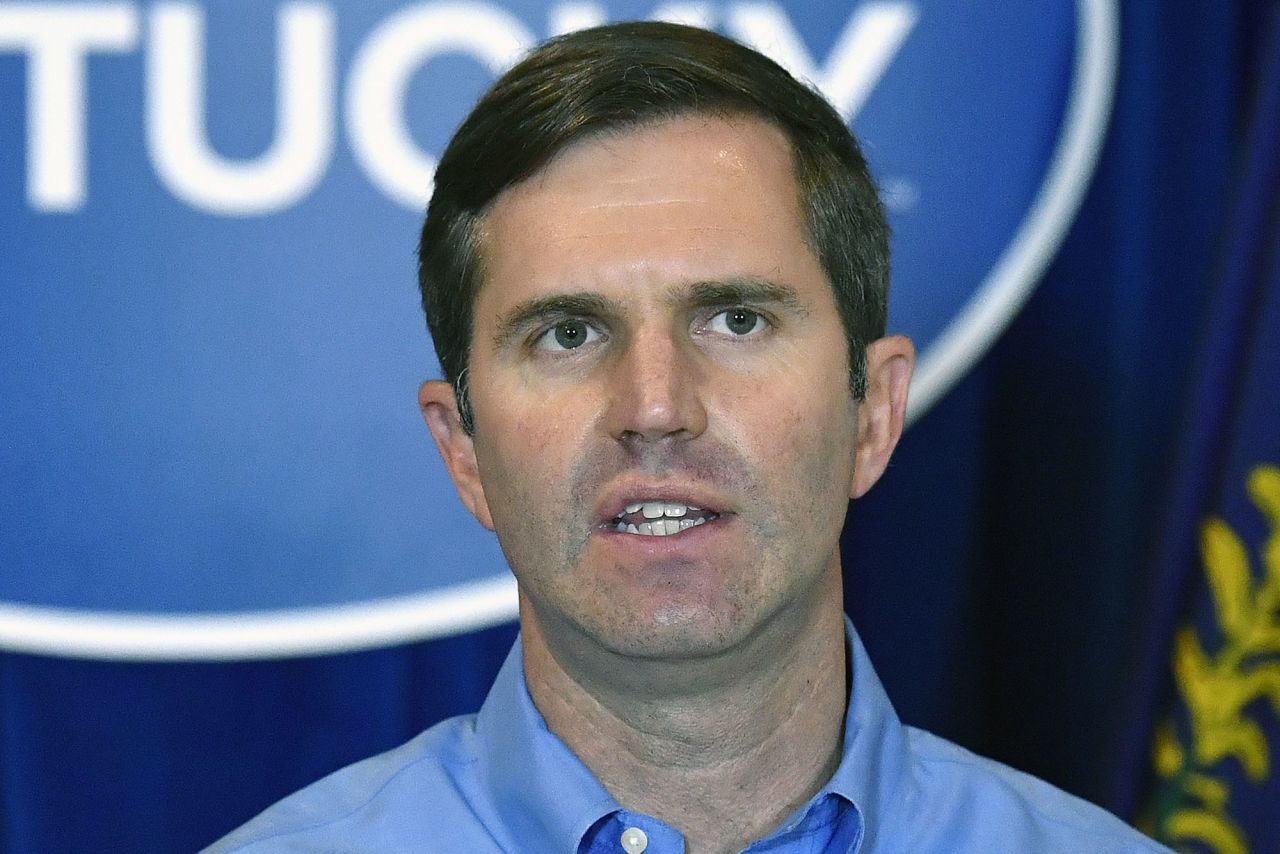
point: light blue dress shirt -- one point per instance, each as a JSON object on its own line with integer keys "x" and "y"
{"x": 500, "y": 781}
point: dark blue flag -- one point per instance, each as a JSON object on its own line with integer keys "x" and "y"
{"x": 1213, "y": 751}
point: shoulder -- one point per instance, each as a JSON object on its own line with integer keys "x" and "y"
{"x": 978, "y": 804}
{"x": 404, "y": 797}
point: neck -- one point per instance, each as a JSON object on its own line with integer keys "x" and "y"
{"x": 722, "y": 748}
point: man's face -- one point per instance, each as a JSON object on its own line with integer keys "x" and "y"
{"x": 654, "y": 335}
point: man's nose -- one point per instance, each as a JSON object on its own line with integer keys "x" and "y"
{"x": 656, "y": 391}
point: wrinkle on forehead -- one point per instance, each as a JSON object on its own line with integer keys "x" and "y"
{"x": 583, "y": 233}
{"x": 641, "y": 203}
{"x": 611, "y": 217}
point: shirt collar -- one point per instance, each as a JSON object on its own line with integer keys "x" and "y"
{"x": 874, "y": 754}
{"x": 541, "y": 791}
{"x": 548, "y": 799}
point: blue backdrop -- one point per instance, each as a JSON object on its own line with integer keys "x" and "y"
{"x": 208, "y": 379}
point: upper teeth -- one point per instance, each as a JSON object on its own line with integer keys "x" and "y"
{"x": 656, "y": 509}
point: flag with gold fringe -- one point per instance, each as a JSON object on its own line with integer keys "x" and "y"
{"x": 1212, "y": 751}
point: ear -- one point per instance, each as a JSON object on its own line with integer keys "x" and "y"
{"x": 440, "y": 411}
{"x": 882, "y": 414}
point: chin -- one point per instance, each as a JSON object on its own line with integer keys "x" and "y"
{"x": 673, "y": 631}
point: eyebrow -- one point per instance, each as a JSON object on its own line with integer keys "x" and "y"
{"x": 740, "y": 290}
{"x": 731, "y": 291}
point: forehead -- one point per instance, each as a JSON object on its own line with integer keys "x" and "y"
{"x": 690, "y": 198}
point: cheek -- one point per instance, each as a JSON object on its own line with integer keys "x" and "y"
{"x": 797, "y": 408}
{"x": 534, "y": 440}
{"x": 525, "y": 452}
{"x": 810, "y": 446}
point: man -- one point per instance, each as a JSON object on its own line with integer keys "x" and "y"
{"x": 655, "y": 272}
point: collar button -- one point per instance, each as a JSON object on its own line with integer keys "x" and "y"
{"x": 634, "y": 840}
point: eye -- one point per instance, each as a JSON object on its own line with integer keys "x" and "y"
{"x": 736, "y": 322}
{"x": 566, "y": 335}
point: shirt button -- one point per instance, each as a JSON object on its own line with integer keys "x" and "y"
{"x": 634, "y": 841}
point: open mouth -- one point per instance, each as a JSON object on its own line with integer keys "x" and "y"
{"x": 659, "y": 518}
